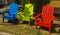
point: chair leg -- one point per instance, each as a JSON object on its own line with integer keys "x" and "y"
{"x": 3, "y": 20}
{"x": 29, "y": 23}
{"x": 13, "y": 22}
{"x": 50, "y": 31}
{"x": 36, "y": 26}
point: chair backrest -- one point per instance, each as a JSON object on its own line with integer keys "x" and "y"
{"x": 28, "y": 10}
{"x": 47, "y": 13}
{"x": 13, "y": 9}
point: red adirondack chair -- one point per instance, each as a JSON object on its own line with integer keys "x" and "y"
{"x": 47, "y": 17}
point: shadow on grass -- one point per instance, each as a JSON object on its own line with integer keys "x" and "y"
{"x": 53, "y": 28}
{"x": 31, "y": 23}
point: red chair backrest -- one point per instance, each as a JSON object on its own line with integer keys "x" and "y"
{"x": 47, "y": 13}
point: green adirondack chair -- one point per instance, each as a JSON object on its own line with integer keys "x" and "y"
{"x": 28, "y": 12}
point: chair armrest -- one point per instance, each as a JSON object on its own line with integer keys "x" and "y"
{"x": 4, "y": 12}
{"x": 38, "y": 15}
{"x": 53, "y": 18}
{"x": 15, "y": 14}
{"x": 7, "y": 11}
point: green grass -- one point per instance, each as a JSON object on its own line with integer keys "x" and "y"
{"x": 23, "y": 29}
{"x": 18, "y": 29}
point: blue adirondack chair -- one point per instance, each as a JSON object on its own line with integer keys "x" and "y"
{"x": 12, "y": 12}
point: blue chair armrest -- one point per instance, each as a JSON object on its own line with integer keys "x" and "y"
{"x": 7, "y": 11}
{"x": 14, "y": 15}
{"x": 4, "y": 12}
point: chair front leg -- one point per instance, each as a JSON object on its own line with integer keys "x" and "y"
{"x": 37, "y": 27}
{"x": 50, "y": 30}
{"x": 13, "y": 22}
{"x": 3, "y": 20}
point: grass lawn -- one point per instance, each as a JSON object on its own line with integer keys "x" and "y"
{"x": 22, "y": 29}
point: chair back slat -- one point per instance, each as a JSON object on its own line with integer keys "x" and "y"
{"x": 28, "y": 10}
{"x": 47, "y": 13}
{"x": 13, "y": 9}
